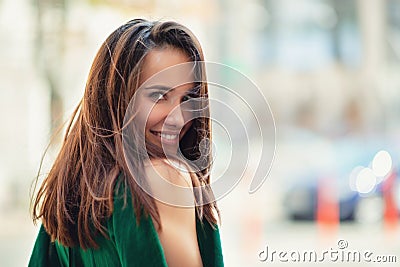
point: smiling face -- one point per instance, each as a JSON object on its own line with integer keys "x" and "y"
{"x": 165, "y": 87}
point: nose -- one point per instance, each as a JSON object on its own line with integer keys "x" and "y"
{"x": 175, "y": 118}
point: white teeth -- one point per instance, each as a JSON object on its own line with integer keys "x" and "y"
{"x": 168, "y": 136}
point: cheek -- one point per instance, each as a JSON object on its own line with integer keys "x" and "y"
{"x": 188, "y": 117}
{"x": 146, "y": 116}
{"x": 154, "y": 118}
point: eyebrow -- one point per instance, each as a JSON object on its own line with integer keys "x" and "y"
{"x": 193, "y": 90}
{"x": 159, "y": 87}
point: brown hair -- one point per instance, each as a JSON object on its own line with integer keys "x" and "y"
{"x": 76, "y": 197}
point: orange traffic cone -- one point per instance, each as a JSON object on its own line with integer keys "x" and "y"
{"x": 327, "y": 206}
{"x": 390, "y": 214}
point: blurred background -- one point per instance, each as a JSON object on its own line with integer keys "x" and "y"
{"x": 330, "y": 70}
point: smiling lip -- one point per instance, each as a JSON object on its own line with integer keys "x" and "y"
{"x": 167, "y": 138}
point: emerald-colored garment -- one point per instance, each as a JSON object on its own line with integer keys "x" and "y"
{"x": 129, "y": 244}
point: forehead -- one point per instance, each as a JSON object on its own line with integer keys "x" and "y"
{"x": 168, "y": 67}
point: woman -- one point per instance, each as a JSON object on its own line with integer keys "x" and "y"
{"x": 102, "y": 203}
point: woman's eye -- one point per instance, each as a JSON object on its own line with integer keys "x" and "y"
{"x": 157, "y": 96}
{"x": 186, "y": 98}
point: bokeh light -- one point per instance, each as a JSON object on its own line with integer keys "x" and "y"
{"x": 382, "y": 163}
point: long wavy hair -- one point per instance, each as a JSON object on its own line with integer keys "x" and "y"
{"x": 76, "y": 197}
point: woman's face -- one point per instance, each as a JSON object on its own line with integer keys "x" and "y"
{"x": 161, "y": 97}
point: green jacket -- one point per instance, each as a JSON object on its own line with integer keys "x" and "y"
{"x": 128, "y": 244}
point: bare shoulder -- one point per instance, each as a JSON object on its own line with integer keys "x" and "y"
{"x": 177, "y": 233}
{"x": 173, "y": 172}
